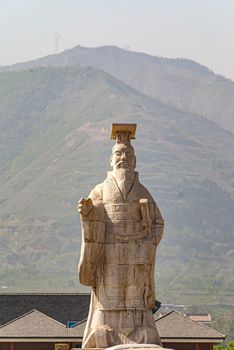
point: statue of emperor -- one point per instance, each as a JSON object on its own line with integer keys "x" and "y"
{"x": 121, "y": 228}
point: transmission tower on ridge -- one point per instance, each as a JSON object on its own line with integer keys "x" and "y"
{"x": 56, "y": 42}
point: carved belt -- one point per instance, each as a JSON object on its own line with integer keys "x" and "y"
{"x": 123, "y": 212}
{"x": 110, "y": 236}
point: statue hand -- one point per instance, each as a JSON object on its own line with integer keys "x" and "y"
{"x": 84, "y": 206}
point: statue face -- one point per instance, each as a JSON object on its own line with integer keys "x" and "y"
{"x": 123, "y": 157}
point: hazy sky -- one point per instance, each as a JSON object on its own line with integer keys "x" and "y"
{"x": 202, "y": 30}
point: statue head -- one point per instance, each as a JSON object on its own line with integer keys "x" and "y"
{"x": 123, "y": 155}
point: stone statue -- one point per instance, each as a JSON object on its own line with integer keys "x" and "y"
{"x": 121, "y": 228}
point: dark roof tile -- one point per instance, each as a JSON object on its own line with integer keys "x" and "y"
{"x": 177, "y": 325}
{"x": 61, "y": 307}
{"x": 35, "y": 324}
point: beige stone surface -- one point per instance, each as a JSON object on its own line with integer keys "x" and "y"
{"x": 137, "y": 346}
{"x": 121, "y": 228}
{"x": 132, "y": 346}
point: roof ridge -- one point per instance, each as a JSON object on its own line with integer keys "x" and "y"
{"x": 28, "y": 313}
{"x": 205, "y": 326}
{"x": 82, "y": 321}
{"x": 169, "y": 312}
{"x": 197, "y": 323}
{"x": 17, "y": 318}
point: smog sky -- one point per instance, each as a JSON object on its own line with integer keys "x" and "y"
{"x": 202, "y": 30}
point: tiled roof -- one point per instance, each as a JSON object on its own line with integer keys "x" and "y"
{"x": 80, "y": 328}
{"x": 62, "y": 307}
{"x": 35, "y": 324}
{"x": 176, "y": 325}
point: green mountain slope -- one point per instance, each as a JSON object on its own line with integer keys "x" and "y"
{"x": 54, "y": 127}
{"x": 40, "y": 106}
{"x": 181, "y": 83}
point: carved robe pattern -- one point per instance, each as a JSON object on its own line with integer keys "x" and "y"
{"x": 118, "y": 261}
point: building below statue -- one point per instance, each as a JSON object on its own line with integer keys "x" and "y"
{"x": 36, "y": 322}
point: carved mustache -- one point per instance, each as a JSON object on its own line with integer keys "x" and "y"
{"x": 122, "y": 162}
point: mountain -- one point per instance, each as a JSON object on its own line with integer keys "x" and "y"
{"x": 181, "y": 83}
{"x": 54, "y": 126}
{"x": 55, "y": 120}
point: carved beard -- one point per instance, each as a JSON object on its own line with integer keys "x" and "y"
{"x": 124, "y": 179}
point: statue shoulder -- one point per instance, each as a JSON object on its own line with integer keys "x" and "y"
{"x": 96, "y": 193}
{"x": 144, "y": 193}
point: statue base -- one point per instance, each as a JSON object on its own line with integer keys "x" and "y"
{"x": 136, "y": 346}
{"x": 131, "y": 347}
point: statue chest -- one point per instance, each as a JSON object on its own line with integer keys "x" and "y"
{"x": 122, "y": 216}
{"x": 123, "y": 221}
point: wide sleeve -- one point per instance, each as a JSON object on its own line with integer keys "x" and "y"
{"x": 159, "y": 224}
{"x": 93, "y": 234}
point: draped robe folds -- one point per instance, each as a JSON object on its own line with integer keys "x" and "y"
{"x": 118, "y": 260}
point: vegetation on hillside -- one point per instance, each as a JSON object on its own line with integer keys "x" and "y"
{"x": 179, "y": 82}
{"x": 54, "y": 127}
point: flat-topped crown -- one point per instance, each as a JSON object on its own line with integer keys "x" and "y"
{"x": 123, "y": 132}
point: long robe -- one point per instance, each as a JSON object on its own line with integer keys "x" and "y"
{"x": 120, "y": 236}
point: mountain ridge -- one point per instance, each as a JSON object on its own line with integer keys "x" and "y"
{"x": 190, "y": 64}
{"x": 182, "y": 83}
{"x": 55, "y": 124}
